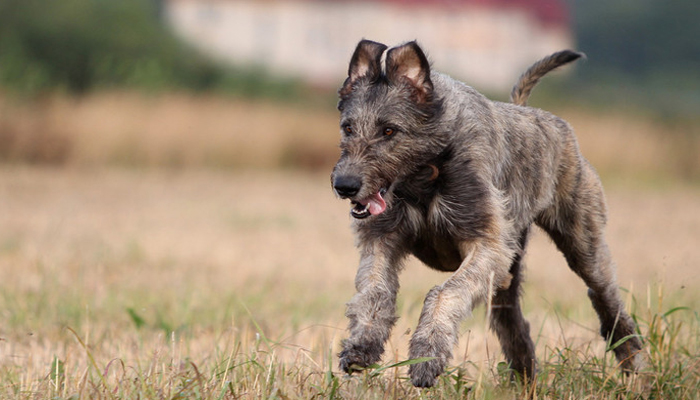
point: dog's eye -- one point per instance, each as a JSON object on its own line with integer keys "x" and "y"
{"x": 347, "y": 128}
{"x": 389, "y": 131}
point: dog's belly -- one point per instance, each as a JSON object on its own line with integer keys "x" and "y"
{"x": 439, "y": 253}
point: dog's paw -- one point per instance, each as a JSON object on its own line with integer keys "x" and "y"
{"x": 425, "y": 374}
{"x": 630, "y": 356}
{"x": 629, "y": 352}
{"x": 356, "y": 357}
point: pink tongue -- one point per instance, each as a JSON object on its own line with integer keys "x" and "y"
{"x": 377, "y": 205}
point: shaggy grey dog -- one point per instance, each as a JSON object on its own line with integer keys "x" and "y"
{"x": 434, "y": 169}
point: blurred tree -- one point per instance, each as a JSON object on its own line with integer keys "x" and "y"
{"x": 640, "y": 36}
{"x": 83, "y": 44}
{"x": 651, "y": 44}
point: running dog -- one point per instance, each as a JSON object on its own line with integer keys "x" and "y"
{"x": 434, "y": 169}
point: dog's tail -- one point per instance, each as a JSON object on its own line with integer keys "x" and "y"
{"x": 528, "y": 80}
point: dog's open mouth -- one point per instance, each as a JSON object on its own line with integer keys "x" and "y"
{"x": 372, "y": 205}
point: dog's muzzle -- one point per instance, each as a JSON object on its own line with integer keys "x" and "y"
{"x": 372, "y": 205}
{"x": 348, "y": 187}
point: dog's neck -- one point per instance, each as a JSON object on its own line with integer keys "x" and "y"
{"x": 438, "y": 162}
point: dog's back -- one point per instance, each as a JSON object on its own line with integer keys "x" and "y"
{"x": 516, "y": 149}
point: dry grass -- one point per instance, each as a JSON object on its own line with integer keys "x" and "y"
{"x": 184, "y": 130}
{"x": 202, "y": 284}
{"x": 174, "y": 130}
{"x": 185, "y": 281}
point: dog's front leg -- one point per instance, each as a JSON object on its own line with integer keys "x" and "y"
{"x": 372, "y": 311}
{"x": 484, "y": 268}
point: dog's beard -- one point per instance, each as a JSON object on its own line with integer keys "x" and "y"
{"x": 372, "y": 205}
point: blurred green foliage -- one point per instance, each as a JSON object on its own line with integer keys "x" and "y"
{"x": 640, "y": 51}
{"x": 81, "y": 45}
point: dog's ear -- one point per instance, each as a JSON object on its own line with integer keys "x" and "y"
{"x": 408, "y": 64}
{"x": 366, "y": 61}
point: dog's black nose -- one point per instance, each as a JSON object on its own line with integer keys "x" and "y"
{"x": 347, "y": 185}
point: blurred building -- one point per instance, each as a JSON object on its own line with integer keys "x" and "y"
{"x": 487, "y": 43}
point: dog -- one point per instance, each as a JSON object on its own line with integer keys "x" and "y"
{"x": 434, "y": 169}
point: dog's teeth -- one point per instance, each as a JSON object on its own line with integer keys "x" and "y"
{"x": 359, "y": 211}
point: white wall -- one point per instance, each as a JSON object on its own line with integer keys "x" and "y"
{"x": 487, "y": 48}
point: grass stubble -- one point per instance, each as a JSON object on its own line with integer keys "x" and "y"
{"x": 180, "y": 130}
{"x": 184, "y": 283}
{"x": 225, "y": 285}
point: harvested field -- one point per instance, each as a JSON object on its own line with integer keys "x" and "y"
{"x": 185, "y": 130}
{"x": 124, "y": 282}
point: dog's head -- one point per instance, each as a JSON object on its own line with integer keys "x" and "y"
{"x": 388, "y": 113}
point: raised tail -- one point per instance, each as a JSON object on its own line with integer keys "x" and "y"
{"x": 528, "y": 80}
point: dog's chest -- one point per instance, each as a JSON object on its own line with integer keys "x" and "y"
{"x": 429, "y": 235}
{"x": 440, "y": 213}
{"x": 437, "y": 251}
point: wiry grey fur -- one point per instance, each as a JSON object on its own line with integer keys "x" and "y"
{"x": 463, "y": 179}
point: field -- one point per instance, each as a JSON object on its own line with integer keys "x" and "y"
{"x": 161, "y": 284}
{"x": 184, "y": 130}
{"x": 150, "y": 265}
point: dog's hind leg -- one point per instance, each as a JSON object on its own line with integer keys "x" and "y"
{"x": 507, "y": 319}
{"x": 575, "y": 223}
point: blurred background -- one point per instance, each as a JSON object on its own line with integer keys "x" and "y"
{"x": 243, "y": 83}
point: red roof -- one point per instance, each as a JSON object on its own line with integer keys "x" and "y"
{"x": 547, "y": 11}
